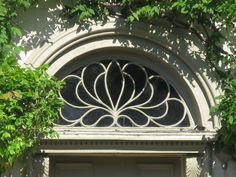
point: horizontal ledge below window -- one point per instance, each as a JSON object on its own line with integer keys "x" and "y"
{"x": 158, "y": 135}
{"x": 76, "y": 152}
{"x": 86, "y": 147}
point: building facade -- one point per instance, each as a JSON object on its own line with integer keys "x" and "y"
{"x": 137, "y": 99}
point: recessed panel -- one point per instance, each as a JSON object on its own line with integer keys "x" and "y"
{"x": 74, "y": 170}
{"x": 117, "y": 167}
{"x": 155, "y": 170}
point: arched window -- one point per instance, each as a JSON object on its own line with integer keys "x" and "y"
{"x": 121, "y": 77}
{"x": 121, "y": 93}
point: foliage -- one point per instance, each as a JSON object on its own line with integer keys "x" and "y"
{"x": 227, "y": 111}
{"x": 28, "y": 109}
{"x": 8, "y": 27}
{"x": 29, "y": 100}
{"x": 88, "y": 9}
{"x": 207, "y": 19}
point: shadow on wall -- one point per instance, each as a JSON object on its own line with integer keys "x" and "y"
{"x": 30, "y": 166}
{"x": 41, "y": 22}
{"x": 181, "y": 43}
{"x": 223, "y": 166}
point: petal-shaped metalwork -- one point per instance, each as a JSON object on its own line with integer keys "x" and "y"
{"x": 119, "y": 93}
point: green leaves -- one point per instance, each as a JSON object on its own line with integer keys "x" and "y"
{"x": 29, "y": 104}
{"x": 227, "y": 112}
{"x": 16, "y": 31}
{"x": 84, "y": 10}
{"x": 5, "y": 136}
{"x": 145, "y": 12}
{"x": 29, "y": 100}
{"x": 10, "y": 95}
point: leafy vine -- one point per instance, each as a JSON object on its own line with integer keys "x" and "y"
{"x": 29, "y": 100}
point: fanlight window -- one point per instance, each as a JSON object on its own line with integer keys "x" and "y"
{"x": 118, "y": 93}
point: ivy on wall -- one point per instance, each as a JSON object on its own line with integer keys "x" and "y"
{"x": 22, "y": 115}
{"x": 29, "y": 100}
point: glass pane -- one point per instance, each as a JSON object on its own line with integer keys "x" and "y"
{"x": 119, "y": 93}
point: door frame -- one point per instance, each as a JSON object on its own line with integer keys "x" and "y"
{"x": 176, "y": 160}
{"x": 196, "y": 155}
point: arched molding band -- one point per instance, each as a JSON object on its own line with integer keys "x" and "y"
{"x": 180, "y": 68}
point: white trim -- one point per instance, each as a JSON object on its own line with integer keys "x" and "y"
{"x": 135, "y": 134}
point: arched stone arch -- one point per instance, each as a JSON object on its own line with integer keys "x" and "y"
{"x": 151, "y": 46}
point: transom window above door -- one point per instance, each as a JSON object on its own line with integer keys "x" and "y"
{"x": 120, "y": 93}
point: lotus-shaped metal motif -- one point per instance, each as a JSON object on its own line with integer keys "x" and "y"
{"x": 120, "y": 94}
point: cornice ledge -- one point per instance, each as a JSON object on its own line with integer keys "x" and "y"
{"x": 120, "y": 146}
{"x": 137, "y": 135}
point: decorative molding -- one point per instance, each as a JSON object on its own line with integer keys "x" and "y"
{"x": 200, "y": 165}
{"x": 119, "y": 93}
{"x": 46, "y": 167}
{"x": 40, "y": 166}
{"x": 119, "y": 146}
{"x": 114, "y": 142}
{"x": 193, "y": 168}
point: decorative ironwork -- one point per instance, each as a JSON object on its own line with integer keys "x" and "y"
{"x": 119, "y": 93}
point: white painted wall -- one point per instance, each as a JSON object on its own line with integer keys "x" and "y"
{"x": 39, "y": 24}
{"x": 43, "y": 22}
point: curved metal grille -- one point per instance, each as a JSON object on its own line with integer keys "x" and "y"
{"x": 118, "y": 93}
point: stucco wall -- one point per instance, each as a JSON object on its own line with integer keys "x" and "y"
{"x": 220, "y": 171}
{"x": 43, "y": 23}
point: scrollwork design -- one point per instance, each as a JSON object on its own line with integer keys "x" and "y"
{"x": 120, "y": 94}
{"x": 193, "y": 168}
